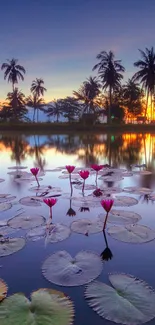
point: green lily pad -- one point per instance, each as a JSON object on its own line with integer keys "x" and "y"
{"x": 121, "y": 217}
{"x": 53, "y": 234}
{"x": 136, "y": 234}
{"x": 60, "y": 268}
{"x": 25, "y": 221}
{"x": 5, "y": 206}
{"x": 129, "y": 301}
{"x": 124, "y": 201}
{"x": 9, "y": 246}
{"x": 47, "y": 307}
{"x": 87, "y": 226}
{"x": 30, "y": 201}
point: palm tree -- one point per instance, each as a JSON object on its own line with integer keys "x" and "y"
{"x": 36, "y": 103}
{"x": 88, "y": 93}
{"x": 37, "y": 89}
{"x": 110, "y": 72}
{"x": 55, "y": 109}
{"x": 16, "y": 100}
{"x": 13, "y": 71}
{"x": 146, "y": 73}
{"x": 132, "y": 97}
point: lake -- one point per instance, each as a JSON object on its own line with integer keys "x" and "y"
{"x": 22, "y": 271}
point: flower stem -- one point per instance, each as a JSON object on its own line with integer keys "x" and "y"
{"x": 105, "y": 221}
{"x": 96, "y": 178}
{"x": 37, "y": 181}
{"x": 83, "y": 186}
{"x": 71, "y": 184}
{"x": 50, "y": 212}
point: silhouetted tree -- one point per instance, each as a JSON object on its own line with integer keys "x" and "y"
{"x": 133, "y": 97}
{"x": 146, "y": 73}
{"x": 55, "y": 109}
{"x": 38, "y": 90}
{"x": 13, "y": 71}
{"x": 110, "y": 72}
{"x": 16, "y": 104}
{"x": 36, "y": 103}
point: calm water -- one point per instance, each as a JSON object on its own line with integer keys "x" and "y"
{"x": 22, "y": 270}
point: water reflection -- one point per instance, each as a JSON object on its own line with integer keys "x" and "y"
{"x": 114, "y": 149}
{"x": 106, "y": 255}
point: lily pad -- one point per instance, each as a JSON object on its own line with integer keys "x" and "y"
{"x": 44, "y": 189}
{"x": 114, "y": 178}
{"x": 110, "y": 190}
{"x": 2, "y": 180}
{"x": 135, "y": 234}
{"x": 3, "y": 289}
{"x": 30, "y": 201}
{"x": 47, "y": 307}
{"x": 129, "y": 301}
{"x": 121, "y": 217}
{"x": 87, "y": 226}
{"x": 6, "y": 230}
{"x": 7, "y": 199}
{"x": 60, "y": 268}
{"x": 143, "y": 172}
{"x": 17, "y": 167}
{"x": 9, "y": 246}
{"x": 53, "y": 233}
{"x": 138, "y": 190}
{"x": 124, "y": 201}
{"x": 5, "y": 206}
{"x": 26, "y": 221}
{"x": 88, "y": 187}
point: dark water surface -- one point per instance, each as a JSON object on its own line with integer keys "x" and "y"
{"x": 22, "y": 270}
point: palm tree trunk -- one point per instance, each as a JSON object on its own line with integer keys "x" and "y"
{"x": 34, "y": 114}
{"x": 110, "y": 103}
{"x": 37, "y": 115}
{"x": 147, "y": 99}
{"x": 13, "y": 86}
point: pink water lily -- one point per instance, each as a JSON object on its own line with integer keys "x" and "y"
{"x": 35, "y": 172}
{"x": 96, "y": 167}
{"x": 84, "y": 174}
{"x": 70, "y": 169}
{"x": 107, "y": 205}
{"x": 50, "y": 202}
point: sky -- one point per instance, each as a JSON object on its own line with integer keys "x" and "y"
{"x": 58, "y": 40}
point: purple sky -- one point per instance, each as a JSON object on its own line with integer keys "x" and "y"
{"x": 58, "y": 40}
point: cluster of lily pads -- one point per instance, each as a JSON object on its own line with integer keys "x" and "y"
{"x": 127, "y": 300}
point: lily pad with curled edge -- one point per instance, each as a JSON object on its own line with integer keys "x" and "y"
{"x": 62, "y": 269}
{"x": 114, "y": 178}
{"x": 129, "y": 301}
{"x": 86, "y": 226}
{"x": 26, "y": 221}
{"x": 138, "y": 190}
{"x": 124, "y": 201}
{"x": 135, "y": 234}
{"x": 47, "y": 307}
{"x": 5, "y": 206}
{"x": 3, "y": 289}
{"x": 121, "y": 217}
{"x": 10, "y": 246}
{"x": 55, "y": 233}
{"x": 30, "y": 201}
{"x": 6, "y": 230}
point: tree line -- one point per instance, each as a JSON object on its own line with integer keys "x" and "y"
{"x": 104, "y": 94}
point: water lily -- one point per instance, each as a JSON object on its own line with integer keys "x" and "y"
{"x": 84, "y": 174}
{"x": 70, "y": 169}
{"x": 96, "y": 167}
{"x": 35, "y": 172}
{"x": 50, "y": 202}
{"x": 97, "y": 192}
{"x": 107, "y": 205}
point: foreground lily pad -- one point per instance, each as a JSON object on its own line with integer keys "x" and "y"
{"x": 60, "y": 268}
{"x": 124, "y": 201}
{"x": 9, "y": 246}
{"x": 47, "y": 307}
{"x": 2, "y": 180}
{"x": 44, "y": 189}
{"x": 25, "y": 221}
{"x": 111, "y": 190}
{"x": 88, "y": 187}
{"x": 3, "y": 289}
{"x": 121, "y": 217}
{"x": 5, "y": 230}
{"x": 87, "y": 226}
{"x": 17, "y": 167}
{"x": 135, "y": 234}
{"x": 130, "y": 301}
{"x": 53, "y": 233}
{"x": 7, "y": 199}
{"x": 5, "y": 206}
{"x": 30, "y": 201}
